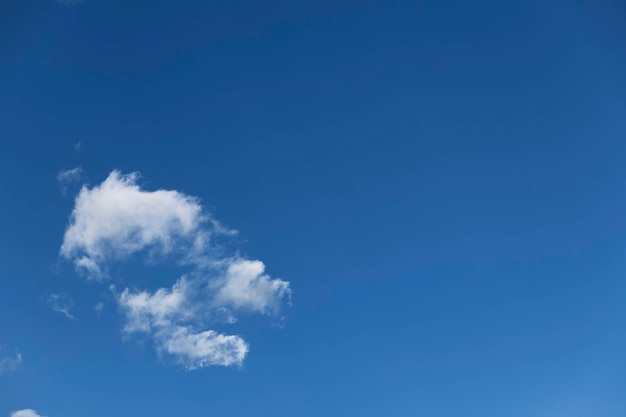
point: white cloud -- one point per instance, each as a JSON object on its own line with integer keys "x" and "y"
{"x": 25, "y": 413}
{"x": 246, "y": 286}
{"x": 70, "y": 175}
{"x": 98, "y": 307}
{"x": 145, "y": 311}
{"x": 197, "y": 350}
{"x": 61, "y": 303}
{"x": 166, "y": 315}
{"x": 118, "y": 219}
{"x": 9, "y": 363}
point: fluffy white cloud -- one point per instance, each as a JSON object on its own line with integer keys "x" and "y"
{"x": 165, "y": 315}
{"x": 117, "y": 219}
{"x": 246, "y": 286}
{"x": 25, "y": 413}
{"x": 9, "y": 363}
{"x": 197, "y": 350}
{"x": 61, "y": 303}
{"x": 145, "y": 311}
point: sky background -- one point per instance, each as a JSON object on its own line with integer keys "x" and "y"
{"x": 442, "y": 184}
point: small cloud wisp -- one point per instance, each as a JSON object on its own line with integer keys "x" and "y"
{"x": 10, "y": 363}
{"x": 61, "y": 303}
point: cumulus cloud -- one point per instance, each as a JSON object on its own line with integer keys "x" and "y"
{"x": 196, "y": 350}
{"x": 246, "y": 286}
{"x": 168, "y": 315}
{"x": 118, "y": 219}
{"x": 10, "y": 363}
{"x": 61, "y": 303}
{"x": 25, "y": 413}
{"x": 145, "y": 311}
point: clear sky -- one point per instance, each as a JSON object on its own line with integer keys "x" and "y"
{"x": 325, "y": 208}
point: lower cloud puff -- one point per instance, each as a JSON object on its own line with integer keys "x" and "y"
{"x": 25, "y": 413}
{"x": 163, "y": 314}
{"x": 197, "y": 350}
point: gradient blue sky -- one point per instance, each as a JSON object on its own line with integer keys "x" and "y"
{"x": 442, "y": 184}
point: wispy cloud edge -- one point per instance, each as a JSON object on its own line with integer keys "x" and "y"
{"x": 61, "y": 303}
{"x": 10, "y": 363}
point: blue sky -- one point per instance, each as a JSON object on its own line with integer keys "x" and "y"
{"x": 332, "y": 208}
